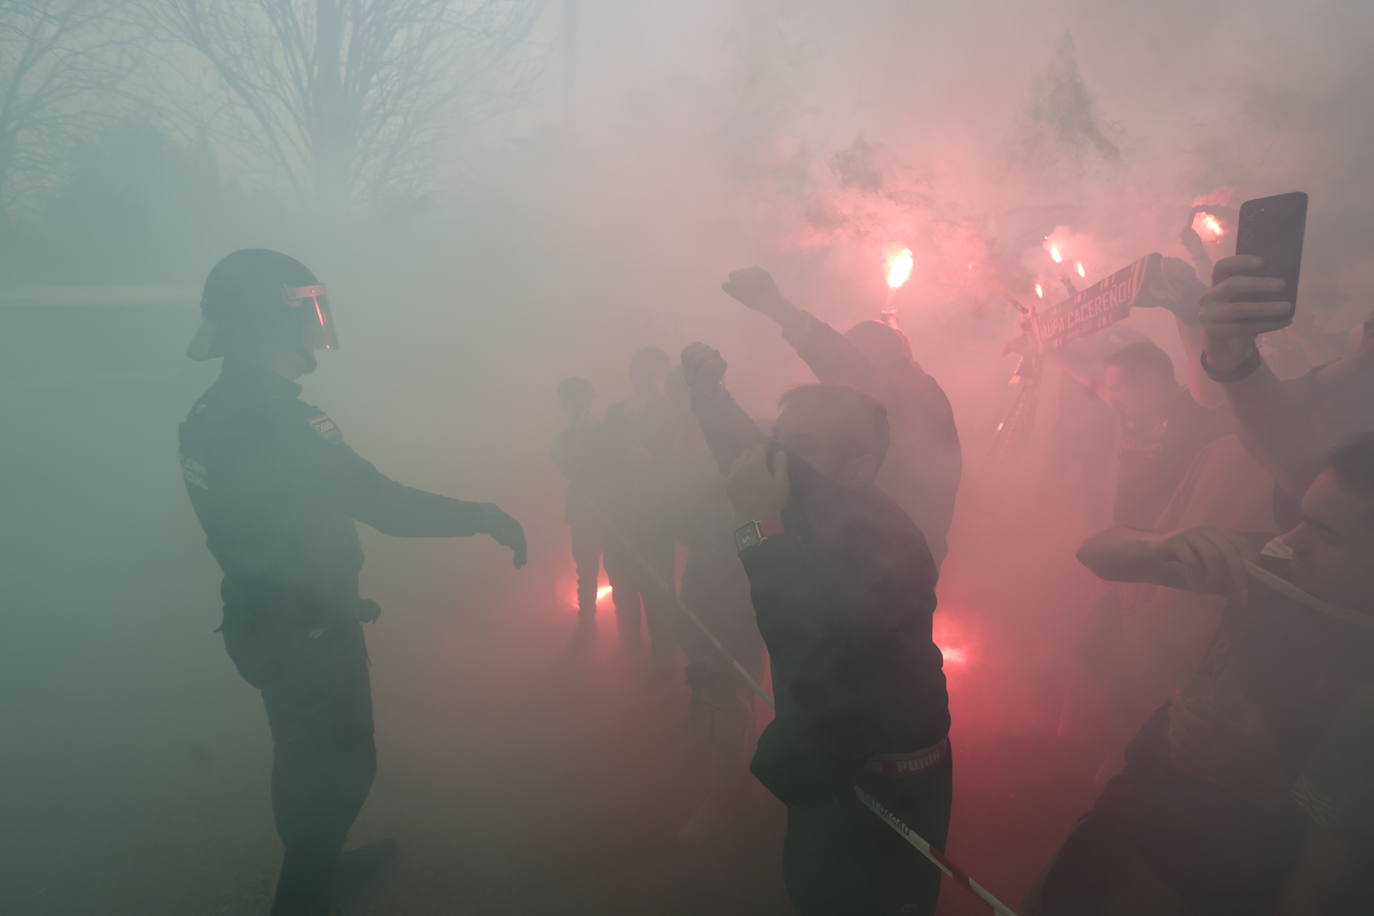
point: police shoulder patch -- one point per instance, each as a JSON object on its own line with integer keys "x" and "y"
{"x": 194, "y": 472}
{"x": 326, "y": 428}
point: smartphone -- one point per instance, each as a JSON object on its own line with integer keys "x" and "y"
{"x": 1273, "y": 228}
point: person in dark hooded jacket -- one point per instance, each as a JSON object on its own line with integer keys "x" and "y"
{"x": 843, "y": 588}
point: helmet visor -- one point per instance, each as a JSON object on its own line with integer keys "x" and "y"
{"x": 206, "y": 342}
{"x": 318, "y": 319}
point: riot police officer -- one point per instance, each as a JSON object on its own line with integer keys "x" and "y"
{"x": 277, "y": 491}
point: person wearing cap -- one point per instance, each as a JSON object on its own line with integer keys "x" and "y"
{"x": 277, "y": 491}
{"x": 924, "y": 469}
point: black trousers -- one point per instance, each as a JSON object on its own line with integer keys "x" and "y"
{"x": 840, "y": 858}
{"x": 318, "y": 698}
{"x": 586, "y": 551}
{"x": 643, "y": 577}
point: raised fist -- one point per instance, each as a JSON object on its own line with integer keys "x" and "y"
{"x": 702, "y": 366}
{"x": 754, "y": 287}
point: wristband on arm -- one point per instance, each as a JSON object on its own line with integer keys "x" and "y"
{"x": 1247, "y": 368}
{"x": 753, "y": 534}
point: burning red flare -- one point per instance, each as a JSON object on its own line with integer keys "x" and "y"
{"x": 1081, "y": 271}
{"x": 1040, "y": 291}
{"x": 953, "y": 656}
{"x": 1056, "y": 254}
{"x": 602, "y": 593}
{"x": 1208, "y": 226}
{"x": 957, "y": 644}
{"x": 899, "y": 265}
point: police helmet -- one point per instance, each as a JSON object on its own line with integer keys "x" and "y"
{"x": 257, "y": 296}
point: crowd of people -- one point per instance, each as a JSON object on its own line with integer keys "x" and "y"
{"x": 811, "y": 544}
{"x": 797, "y": 519}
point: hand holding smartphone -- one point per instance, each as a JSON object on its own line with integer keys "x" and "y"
{"x": 1254, "y": 292}
{"x": 1272, "y": 228}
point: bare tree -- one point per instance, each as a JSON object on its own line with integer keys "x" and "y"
{"x": 346, "y": 98}
{"x": 1062, "y": 127}
{"x": 58, "y": 58}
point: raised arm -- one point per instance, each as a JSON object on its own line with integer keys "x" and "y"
{"x": 1179, "y": 291}
{"x": 831, "y": 355}
{"x": 1277, "y": 420}
{"x": 728, "y": 430}
{"x": 1205, "y": 392}
{"x": 1207, "y": 559}
{"x": 345, "y": 481}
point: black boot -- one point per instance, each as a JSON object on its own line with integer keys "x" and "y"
{"x": 360, "y": 867}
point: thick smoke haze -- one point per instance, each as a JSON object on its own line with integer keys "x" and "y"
{"x": 811, "y": 139}
{"x": 586, "y": 208}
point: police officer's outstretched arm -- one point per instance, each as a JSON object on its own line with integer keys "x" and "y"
{"x": 359, "y": 490}
{"x": 266, "y": 314}
{"x": 402, "y": 511}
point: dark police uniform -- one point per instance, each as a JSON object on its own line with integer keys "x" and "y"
{"x": 277, "y": 492}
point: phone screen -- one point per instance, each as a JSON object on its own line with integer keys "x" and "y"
{"x": 1273, "y": 229}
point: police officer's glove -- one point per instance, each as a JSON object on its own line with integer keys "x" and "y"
{"x": 367, "y": 611}
{"x": 505, "y": 530}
